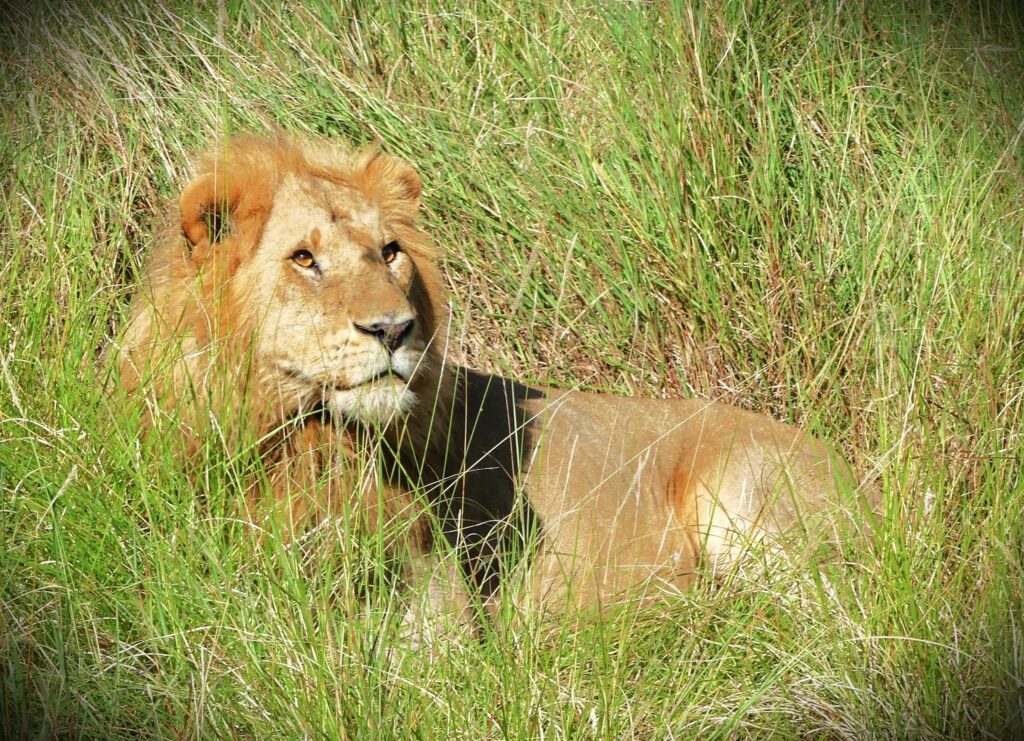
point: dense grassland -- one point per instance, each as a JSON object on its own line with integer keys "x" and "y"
{"x": 817, "y": 214}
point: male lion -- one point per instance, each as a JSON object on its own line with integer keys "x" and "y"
{"x": 302, "y": 303}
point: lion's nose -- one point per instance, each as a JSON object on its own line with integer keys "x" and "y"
{"x": 390, "y": 330}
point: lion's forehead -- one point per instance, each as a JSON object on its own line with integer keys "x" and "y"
{"x": 317, "y": 204}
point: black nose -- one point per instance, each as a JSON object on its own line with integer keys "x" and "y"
{"x": 388, "y": 330}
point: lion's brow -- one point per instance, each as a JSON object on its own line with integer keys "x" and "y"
{"x": 361, "y": 236}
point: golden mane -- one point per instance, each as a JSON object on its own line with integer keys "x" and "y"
{"x": 188, "y": 349}
{"x": 190, "y": 309}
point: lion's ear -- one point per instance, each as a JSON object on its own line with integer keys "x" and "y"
{"x": 206, "y": 205}
{"x": 411, "y": 185}
{"x": 398, "y": 182}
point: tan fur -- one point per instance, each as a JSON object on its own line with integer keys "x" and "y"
{"x": 228, "y": 338}
{"x": 620, "y": 493}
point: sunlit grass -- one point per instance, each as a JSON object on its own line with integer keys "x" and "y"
{"x": 816, "y": 214}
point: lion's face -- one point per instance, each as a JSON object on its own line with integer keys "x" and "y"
{"x": 329, "y": 291}
{"x": 305, "y": 262}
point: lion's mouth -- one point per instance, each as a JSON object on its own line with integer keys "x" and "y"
{"x": 386, "y": 373}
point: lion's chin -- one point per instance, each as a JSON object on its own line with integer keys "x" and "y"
{"x": 378, "y": 402}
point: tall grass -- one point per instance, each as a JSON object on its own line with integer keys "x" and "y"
{"x": 813, "y": 213}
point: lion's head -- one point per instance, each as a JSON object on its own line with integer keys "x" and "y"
{"x": 290, "y": 277}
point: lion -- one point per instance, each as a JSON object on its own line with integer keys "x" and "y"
{"x": 304, "y": 303}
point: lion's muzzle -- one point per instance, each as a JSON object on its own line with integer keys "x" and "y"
{"x": 390, "y": 329}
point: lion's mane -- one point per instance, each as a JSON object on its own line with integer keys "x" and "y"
{"x": 188, "y": 347}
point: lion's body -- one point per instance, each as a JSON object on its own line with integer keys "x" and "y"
{"x": 315, "y": 324}
{"x": 616, "y": 493}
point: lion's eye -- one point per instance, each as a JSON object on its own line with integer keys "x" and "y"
{"x": 389, "y": 251}
{"x": 303, "y": 258}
